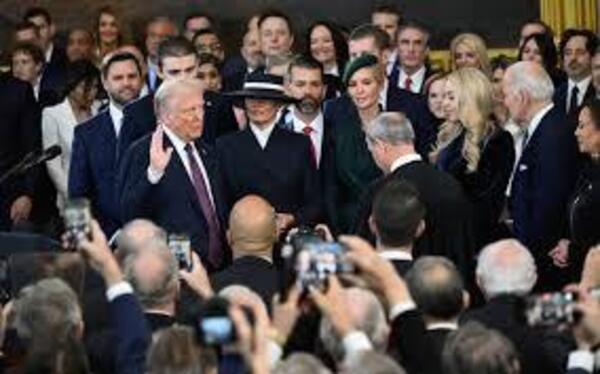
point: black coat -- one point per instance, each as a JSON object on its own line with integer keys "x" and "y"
{"x": 172, "y": 203}
{"x": 253, "y": 272}
{"x": 540, "y": 351}
{"x": 560, "y": 100}
{"x": 20, "y": 134}
{"x": 281, "y": 173}
{"x": 54, "y": 78}
{"x": 485, "y": 187}
{"x": 448, "y": 219}
{"x": 139, "y": 119}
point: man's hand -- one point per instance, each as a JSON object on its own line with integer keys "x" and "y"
{"x": 197, "y": 279}
{"x": 159, "y": 157}
{"x": 587, "y": 331}
{"x": 590, "y": 277}
{"x": 285, "y": 314}
{"x": 379, "y": 272}
{"x": 100, "y": 257}
{"x": 284, "y": 222}
{"x": 252, "y": 340}
{"x": 334, "y": 305}
{"x": 560, "y": 254}
{"x": 20, "y": 209}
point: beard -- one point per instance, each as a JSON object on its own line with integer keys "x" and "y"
{"x": 123, "y": 97}
{"x": 308, "y": 106}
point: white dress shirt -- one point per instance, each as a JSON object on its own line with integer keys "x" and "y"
{"x": 395, "y": 255}
{"x": 116, "y": 115}
{"x": 316, "y": 136}
{"x": 262, "y": 134}
{"x": 383, "y": 95}
{"x": 582, "y": 85}
{"x": 179, "y": 145}
{"x": 333, "y": 70}
{"x": 48, "y": 53}
{"x": 417, "y": 79}
{"x": 403, "y": 160}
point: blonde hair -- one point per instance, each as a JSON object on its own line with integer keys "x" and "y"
{"x": 476, "y": 44}
{"x": 475, "y": 107}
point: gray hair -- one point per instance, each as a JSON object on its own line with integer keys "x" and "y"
{"x": 372, "y": 363}
{"x": 239, "y": 292}
{"x": 530, "y": 78}
{"x": 153, "y": 289}
{"x": 49, "y": 306}
{"x": 391, "y": 128}
{"x": 135, "y": 233}
{"x": 301, "y": 363}
{"x": 169, "y": 89}
{"x": 506, "y": 267}
{"x": 372, "y": 321}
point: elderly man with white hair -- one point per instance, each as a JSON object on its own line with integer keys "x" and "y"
{"x": 545, "y": 173}
{"x": 506, "y": 274}
{"x": 169, "y": 176}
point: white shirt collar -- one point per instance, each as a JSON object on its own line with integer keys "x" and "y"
{"x": 49, "y": 51}
{"x": 403, "y": 160}
{"x": 383, "y": 95}
{"x": 535, "y": 121}
{"x": 334, "y": 70}
{"x": 442, "y": 326}
{"x": 396, "y": 254}
{"x": 417, "y": 79}
{"x": 262, "y": 135}
{"x": 177, "y": 142}
{"x": 582, "y": 85}
{"x": 392, "y": 58}
{"x": 116, "y": 115}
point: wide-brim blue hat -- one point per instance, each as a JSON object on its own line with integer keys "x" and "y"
{"x": 259, "y": 85}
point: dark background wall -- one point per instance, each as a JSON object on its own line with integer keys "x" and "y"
{"x": 496, "y": 20}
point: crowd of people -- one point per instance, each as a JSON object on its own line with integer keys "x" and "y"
{"x": 455, "y": 204}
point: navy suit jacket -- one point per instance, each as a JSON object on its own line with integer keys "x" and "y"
{"x": 93, "y": 171}
{"x": 542, "y": 183}
{"x": 172, "y": 203}
{"x": 54, "y": 78}
{"x": 561, "y": 94}
{"x": 139, "y": 119}
{"x": 281, "y": 173}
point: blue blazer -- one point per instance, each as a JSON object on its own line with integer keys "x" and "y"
{"x": 93, "y": 171}
{"x": 172, "y": 202}
{"x": 542, "y": 183}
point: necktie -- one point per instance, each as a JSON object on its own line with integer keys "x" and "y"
{"x": 524, "y": 140}
{"x": 407, "y": 83}
{"x": 307, "y": 130}
{"x": 215, "y": 249}
{"x": 574, "y": 102}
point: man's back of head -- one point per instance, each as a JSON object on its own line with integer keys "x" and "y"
{"x": 437, "y": 288}
{"x": 397, "y": 215}
{"x": 252, "y": 227}
{"x": 373, "y": 363}
{"x": 389, "y": 137}
{"x": 505, "y": 267}
{"x": 301, "y": 363}
{"x": 474, "y": 349}
{"x": 135, "y": 234}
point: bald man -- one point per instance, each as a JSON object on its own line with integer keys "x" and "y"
{"x": 251, "y": 236}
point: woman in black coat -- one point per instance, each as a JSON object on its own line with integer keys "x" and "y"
{"x": 470, "y": 147}
{"x": 584, "y": 206}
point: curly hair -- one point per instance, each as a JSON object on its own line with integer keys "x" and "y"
{"x": 475, "y": 107}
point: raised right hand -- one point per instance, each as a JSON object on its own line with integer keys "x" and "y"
{"x": 159, "y": 157}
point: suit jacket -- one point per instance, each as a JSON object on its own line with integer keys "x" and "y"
{"x": 93, "y": 171}
{"x": 139, "y": 119}
{"x": 560, "y": 99}
{"x": 234, "y": 73}
{"x": 448, "y": 219}
{"x": 54, "y": 77}
{"x": 540, "y": 351}
{"x": 281, "y": 172}
{"x": 20, "y": 134}
{"x": 253, "y": 272}
{"x": 394, "y": 76}
{"x": 486, "y": 186}
{"x": 542, "y": 183}
{"x": 402, "y": 266}
{"x": 418, "y": 349}
{"x": 172, "y": 203}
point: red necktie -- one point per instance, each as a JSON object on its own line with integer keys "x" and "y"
{"x": 407, "y": 83}
{"x": 307, "y": 130}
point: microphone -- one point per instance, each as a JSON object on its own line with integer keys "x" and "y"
{"x": 30, "y": 160}
{"x": 47, "y": 154}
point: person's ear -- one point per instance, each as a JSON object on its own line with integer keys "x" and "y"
{"x": 466, "y": 300}
{"x": 420, "y": 229}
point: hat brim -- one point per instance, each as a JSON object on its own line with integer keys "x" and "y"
{"x": 261, "y": 95}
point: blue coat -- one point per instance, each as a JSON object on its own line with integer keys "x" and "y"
{"x": 93, "y": 169}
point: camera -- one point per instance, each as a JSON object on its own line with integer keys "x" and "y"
{"x": 77, "y": 219}
{"x": 554, "y": 309}
{"x": 214, "y": 327}
{"x": 181, "y": 247}
{"x": 309, "y": 259}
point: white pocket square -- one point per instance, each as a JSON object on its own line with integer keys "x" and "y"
{"x": 523, "y": 167}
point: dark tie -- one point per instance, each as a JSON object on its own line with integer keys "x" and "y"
{"x": 524, "y": 140}
{"x": 407, "y": 83}
{"x": 573, "y": 103}
{"x": 307, "y": 130}
{"x": 215, "y": 250}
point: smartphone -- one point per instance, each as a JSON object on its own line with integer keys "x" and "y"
{"x": 181, "y": 247}
{"x": 77, "y": 218}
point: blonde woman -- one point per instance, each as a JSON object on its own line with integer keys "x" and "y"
{"x": 472, "y": 148}
{"x": 469, "y": 50}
